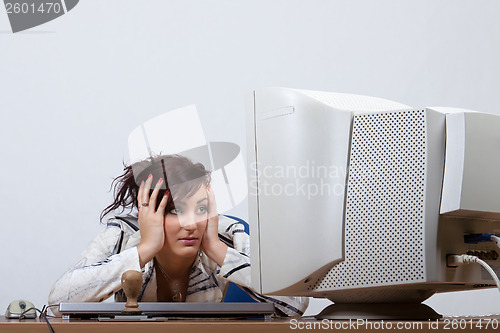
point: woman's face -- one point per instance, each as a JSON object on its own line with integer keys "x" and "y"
{"x": 186, "y": 224}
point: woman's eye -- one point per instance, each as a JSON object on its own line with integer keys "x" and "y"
{"x": 202, "y": 209}
{"x": 175, "y": 211}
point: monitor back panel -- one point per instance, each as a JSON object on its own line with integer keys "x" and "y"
{"x": 395, "y": 169}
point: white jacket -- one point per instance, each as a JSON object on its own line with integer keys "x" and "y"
{"x": 97, "y": 273}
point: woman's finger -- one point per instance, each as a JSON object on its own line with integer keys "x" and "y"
{"x": 146, "y": 189}
{"x": 154, "y": 195}
{"x": 163, "y": 203}
{"x": 212, "y": 205}
{"x": 139, "y": 194}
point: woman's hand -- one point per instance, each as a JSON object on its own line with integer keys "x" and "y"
{"x": 150, "y": 221}
{"x": 210, "y": 243}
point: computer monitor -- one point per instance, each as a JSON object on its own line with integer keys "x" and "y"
{"x": 360, "y": 199}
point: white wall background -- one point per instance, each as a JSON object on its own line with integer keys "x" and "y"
{"x": 71, "y": 91}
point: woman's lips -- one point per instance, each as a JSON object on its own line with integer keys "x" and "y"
{"x": 189, "y": 240}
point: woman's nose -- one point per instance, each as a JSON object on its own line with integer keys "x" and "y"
{"x": 188, "y": 221}
{"x": 189, "y": 226}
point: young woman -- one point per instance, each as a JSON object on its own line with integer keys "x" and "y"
{"x": 185, "y": 250}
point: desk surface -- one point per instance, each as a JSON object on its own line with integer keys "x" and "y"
{"x": 236, "y": 326}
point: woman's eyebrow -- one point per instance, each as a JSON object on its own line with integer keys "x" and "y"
{"x": 201, "y": 200}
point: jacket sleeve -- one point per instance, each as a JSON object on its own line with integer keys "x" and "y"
{"x": 97, "y": 273}
{"x": 236, "y": 268}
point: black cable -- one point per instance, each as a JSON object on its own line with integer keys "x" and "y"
{"x": 45, "y": 308}
{"x": 41, "y": 315}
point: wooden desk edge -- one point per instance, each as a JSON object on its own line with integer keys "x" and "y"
{"x": 261, "y": 326}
